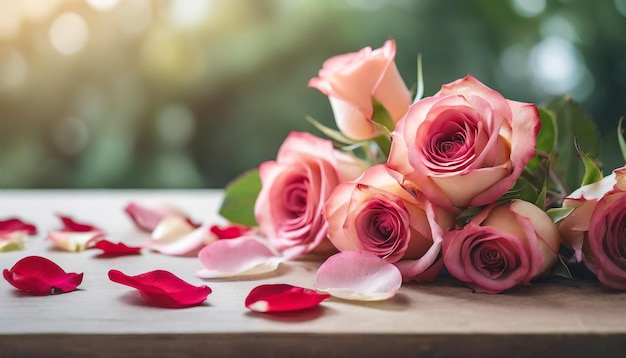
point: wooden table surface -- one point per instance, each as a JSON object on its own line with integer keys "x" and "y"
{"x": 440, "y": 319}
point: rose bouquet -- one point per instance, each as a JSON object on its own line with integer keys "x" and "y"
{"x": 493, "y": 192}
{"x": 464, "y": 181}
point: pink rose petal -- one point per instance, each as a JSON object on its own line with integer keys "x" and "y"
{"x": 237, "y": 257}
{"x": 230, "y": 231}
{"x": 13, "y": 240}
{"x": 177, "y": 237}
{"x": 355, "y": 275}
{"x": 70, "y": 224}
{"x": 111, "y": 249}
{"x": 163, "y": 289}
{"x": 40, "y": 276}
{"x": 15, "y": 224}
{"x": 282, "y": 298}
{"x": 74, "y": 241}
{"x": 148, "y": 218}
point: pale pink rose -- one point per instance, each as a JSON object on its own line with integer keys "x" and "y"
{"x": 466, "y": 145}
{"x": 294, "y": 189}
{"x": 352, "y": 80}
{"x": 374, "y": 213}
{"x": 502, "y": 246}
{"x": 596, "y": 229}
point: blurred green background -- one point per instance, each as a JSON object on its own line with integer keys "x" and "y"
{"x": 190, "y": 93}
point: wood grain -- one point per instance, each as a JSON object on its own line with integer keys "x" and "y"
{"x": 441, "y": 319}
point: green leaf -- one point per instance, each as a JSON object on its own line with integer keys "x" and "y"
{"x": 546, "y": 139}
{"x": 420, "y": 79}
{"x": 240, "y": 197}
{"x": 522, "y": 189}
{"x": 382, "y": 117}
{"x": 466, "y": 215}
{"x": 621, "y": 132}
{"x": 592, "y": 172}
{"x": 541, "y": 199}
{"x": 558, "y": 214}
{"x": 331, "y": 133}
{"x": 572, "y": 122}
{"x": 561, "y": 270}
{"x": 384, "y": 144}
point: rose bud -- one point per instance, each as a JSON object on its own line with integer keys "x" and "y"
{"x": 352, "y": 80}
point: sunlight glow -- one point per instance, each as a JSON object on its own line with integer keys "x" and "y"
{"x": 69, "y": 33}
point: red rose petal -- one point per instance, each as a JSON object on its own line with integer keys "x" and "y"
{"x": 40, "y": 276}
{"x": 163, "y": 288}
{"x": 15, "y": 224}
{"x": 111, "y": 249}
{"x": 230, "y": 231}
{"x": 283, "y": 298}
{"x": 70, "y": 224}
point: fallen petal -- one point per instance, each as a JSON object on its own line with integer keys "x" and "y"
{"x": 40, "y": 276}
{"x": 177, "y": 237}
{"x": 231, "y": 231}
{"x": 70, "y": 224}
{"x": 362, "y": 276}
{"x": 74, "y": 241}
{"x": 13, "y": 240}
{"x": 283, "y": 298}
{"x": 163, "y": 289}
{"x": 111, "y": 249}
{"x": 148, "y": 218}
{"x": 243, "y": 256}
{"x": 15, "y": 224}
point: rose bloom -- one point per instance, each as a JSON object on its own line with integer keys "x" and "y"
{"x": 502, "y": 246}
{"x": 294, "y": 189}
{"x": 376, "y": 214}
{"x": 351, "y": 81}
{"x": 466, "y": 145}
{"x": 596, "y": 229}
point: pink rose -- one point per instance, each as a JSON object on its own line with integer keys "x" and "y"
{"x": 351, "y": 81}
{"x": 294, "y": 190}
{"x": 466, "y": 145}
{"x": 502, "y": 246}
{"x": 376, "y": 214}
{"x": 596, "y": 229}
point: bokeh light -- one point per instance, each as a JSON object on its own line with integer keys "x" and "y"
{"x": 190, "y": 93}
{"x": 69, "y": 33}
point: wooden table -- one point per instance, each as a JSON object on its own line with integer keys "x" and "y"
{"x": 442, "y": 319}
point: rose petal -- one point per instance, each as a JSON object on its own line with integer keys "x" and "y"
{"x": 163, "y": 288}
{"x": 148, "y": 218}
{"x": 355, "y": 275}
{"x": 13, "y": 240}
{"x": 40, "y": 276}
{"x": 230, "y": 231}
{"x": 111, "y": 249}
{"x": 282, "y": 298}
{"x": 74, "y": 241}
{"x": 176, "y": 236}
{"x": 70, "y": 224}
{"x": 15, "y": 224}
{"x": 237, "y": 257}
